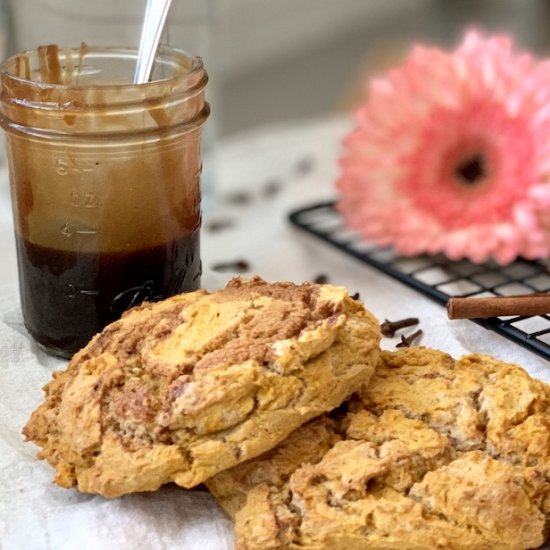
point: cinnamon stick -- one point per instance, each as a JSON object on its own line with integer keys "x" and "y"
{"x": 498, "y": 306}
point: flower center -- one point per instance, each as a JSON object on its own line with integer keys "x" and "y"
{"x": 471, "y": 170}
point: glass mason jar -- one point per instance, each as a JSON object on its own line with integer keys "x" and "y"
{"x": 104, "y": 179}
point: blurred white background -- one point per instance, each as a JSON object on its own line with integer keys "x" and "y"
{"x": 278, "y": 60}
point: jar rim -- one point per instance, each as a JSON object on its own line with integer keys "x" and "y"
{"x": 193, "y": 65}
{"x": 98, "y": 96}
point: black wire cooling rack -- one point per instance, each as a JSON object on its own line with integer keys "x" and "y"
{"x": 439, "y": 278}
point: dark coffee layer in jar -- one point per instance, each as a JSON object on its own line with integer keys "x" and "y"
{"x": 58, "y": 287}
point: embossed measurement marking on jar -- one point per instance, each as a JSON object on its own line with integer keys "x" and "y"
{"x": 86, "y": 199}
{"x": 73, "y": 291}
{"x": 69, "y": 230}
{"x": 65, "y": 166}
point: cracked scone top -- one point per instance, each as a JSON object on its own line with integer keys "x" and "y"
{"x": 437, "y": 454}
{"x": 181, "y": 389}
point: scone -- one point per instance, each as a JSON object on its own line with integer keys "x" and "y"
{"x": 181, "y": 389}
{"x": 434, "y": 454}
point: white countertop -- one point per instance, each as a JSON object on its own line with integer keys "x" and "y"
{"x": 300, "y": 159}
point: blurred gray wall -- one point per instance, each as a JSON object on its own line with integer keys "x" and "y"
{"x": 328, "y": 72}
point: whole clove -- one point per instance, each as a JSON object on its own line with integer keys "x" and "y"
{"x": 271, "y": 188}
{"x": 215, "y": 226}
{"x": 238, "y": 266}
{"x": 238, "y": 198}
{"x": 304, "y": 166}
{"x": 408, "y": 341}
{"x": 389, "y": 328}
{"x": 321, "y": 279}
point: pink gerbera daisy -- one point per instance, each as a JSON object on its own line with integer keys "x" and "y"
{"x": 452, "y": 154}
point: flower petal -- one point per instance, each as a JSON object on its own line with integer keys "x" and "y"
{"x": 451, "y": 153}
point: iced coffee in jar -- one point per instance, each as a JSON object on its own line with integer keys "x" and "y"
{"x": 104, "y": 178}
